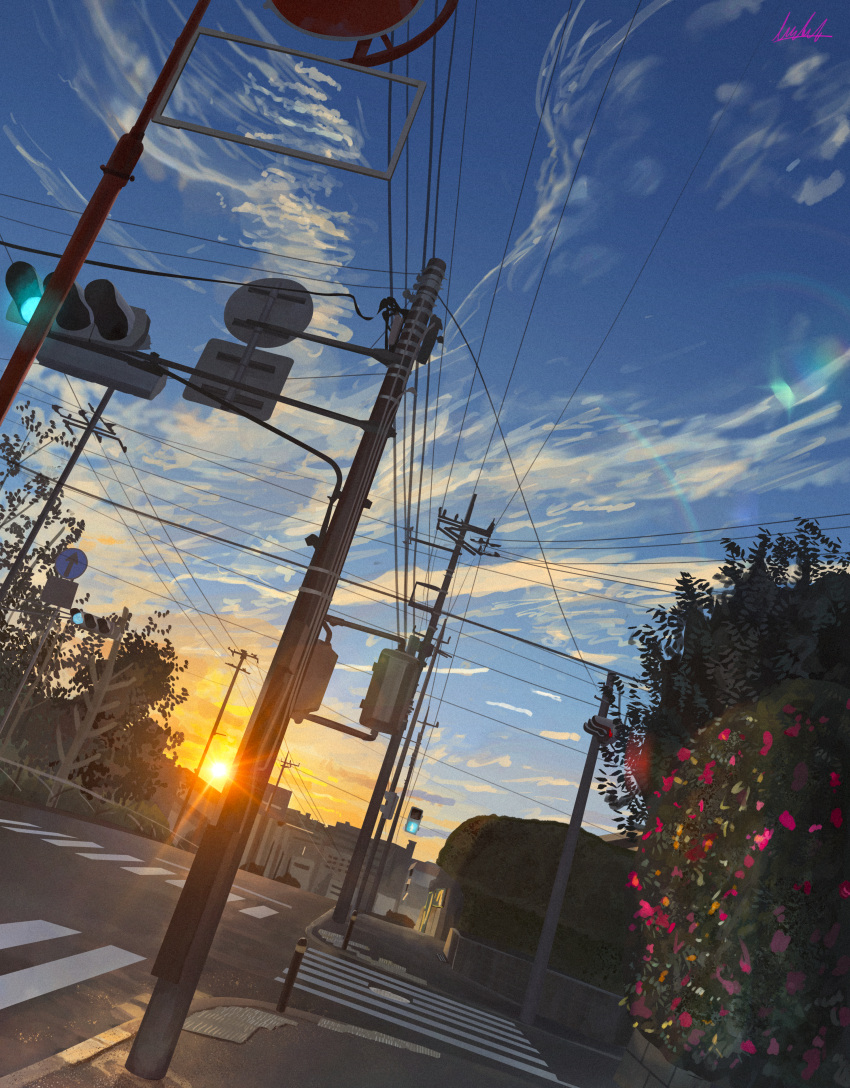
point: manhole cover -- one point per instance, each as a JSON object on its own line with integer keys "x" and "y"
{"x": 232, "y": 1022}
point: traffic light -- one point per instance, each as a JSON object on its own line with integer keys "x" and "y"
{"x": 97, "y": 315}
{"x": 414, "y": 818}
{"x": 388, "y": 807}
{"x": 98, "y": 625}
{"x": 24, "y": 286}
{"x": 604, "y": 728}
{"x": 394, "y": 678}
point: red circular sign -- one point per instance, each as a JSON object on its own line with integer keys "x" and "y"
{"x": 345, "y": 20}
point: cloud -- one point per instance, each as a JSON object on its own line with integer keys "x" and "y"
{"x": 814, "y": 190}
{"x": 560, "y": 736}
{"x": 479, "y": 787}
{"x": 545, "y": 780}
{"x": 507, "y": 706}
{"x": 548, "y": 695}
{"x": 503, "y": 761}
{"x": 433, "y": 798}
{"x": 720, "y": 12}
{"x": 433, "y": 833}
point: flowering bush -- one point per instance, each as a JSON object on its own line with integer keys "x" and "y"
{"x": 741, "y": 938}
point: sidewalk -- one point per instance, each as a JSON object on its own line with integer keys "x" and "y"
{"x": 322, "y": 1049}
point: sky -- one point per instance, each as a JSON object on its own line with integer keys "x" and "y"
{"x": 647, "y": 333}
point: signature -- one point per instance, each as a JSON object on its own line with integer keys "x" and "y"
{"x": 804, "y": 32}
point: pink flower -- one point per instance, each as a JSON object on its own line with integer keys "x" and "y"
{"x": 759, "y": 807}
{"x": 732, "y": 762}
{"x": 728, "y": 985}
{"x": 773, "y": 1047}
{"x": 739, "y": 873}
{"x": 639, "y": 1008}
{"x": 792, "y": 730}
{"x": 795, "y": 981}
{"x": 675, "y": 1002}
{"x": 723, "y": 915}
{"x": 633, "y": 881}
{"x": 707, "y": 775}
{"x": 815, "y": 827}
{"x": 800, "y": 776}
{"x": 685, "y": 1019}
{"x": 822, "y": 720}
{"x": 677, "y": 871}
{"x": 762, "y": 840}
{"x": 787, "y": 820}
{"x": 744, "y": 962}
{"x": 683, "y": 754}
{"x": 667, "y": 783}
{"x": 748, "y": 861}
{"x": 844, "y": 889}
{"x": 779, "y": 942}
{"x": 768, "y": 741}
{"x": 812, "y": 1057}
{"x": 724, "y": 735}
{"x": 750, "y": 1047}
{"x": 834, "y": 780}
{"x": 836, "y": 817}
{"x": 788, "y": 709}
{"x": 644, "y": 910}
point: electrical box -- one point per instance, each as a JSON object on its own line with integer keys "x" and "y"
{"x": 394, "y": 678}
{"x": 317, "y": 676}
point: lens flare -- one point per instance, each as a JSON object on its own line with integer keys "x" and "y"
{"x": 219, "y": 770}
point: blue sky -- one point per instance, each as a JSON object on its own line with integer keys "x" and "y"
{"x": 655, "y": 288}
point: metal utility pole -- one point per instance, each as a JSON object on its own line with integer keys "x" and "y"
{"x": 117, "y": 172}
{"x": 457, "y": 530}
{"x": 89, "y": 429}
{"x": 193, "y": 925}
{"x": 562, "y": 876}
{"x": 193, "y": 785}
{"x": 371, "y": 893}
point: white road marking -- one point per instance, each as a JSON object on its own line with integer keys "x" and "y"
{"x": 146, "y": 870}
{"x": 73, "y": 842}
{"x": 33, "y": 830}
{"x": 248, "y": 891}
{"x": 487, "y": 1049}
{"x": 31, "y": 982}
{"x": 258, "y": 912}
{"x": 13, "y": 934}
{"x": 231, "y": 898}
{"x": 109, "y": 857}
{"x": 20, "y": 823}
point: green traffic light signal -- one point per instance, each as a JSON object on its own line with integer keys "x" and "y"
{"x": 24, "y": 287}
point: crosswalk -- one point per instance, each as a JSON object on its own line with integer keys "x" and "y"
{"x": 393, "y": 1000}
{"x": 44, "y": 978}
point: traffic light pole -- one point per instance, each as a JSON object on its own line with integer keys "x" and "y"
{"x": 15, "y": 568}
{"x": 349, "y": 884}
{"x": 562, "y": 876}
{"x": 193, "y": 785}
{"x": 193, "y": 925}
{"x": 117, "y": 172}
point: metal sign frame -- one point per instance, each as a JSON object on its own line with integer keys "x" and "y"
{"x": 267, "y": 145}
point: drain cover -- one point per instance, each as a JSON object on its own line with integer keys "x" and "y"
{"x": 233, "y": 1022}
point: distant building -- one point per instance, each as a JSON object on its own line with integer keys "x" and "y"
{"x": 414, "y": 894}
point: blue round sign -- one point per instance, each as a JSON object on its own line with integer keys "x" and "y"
{"x": 71, "y": 563}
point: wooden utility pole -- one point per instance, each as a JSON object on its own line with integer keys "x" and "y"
{"x": 193, "y": 925}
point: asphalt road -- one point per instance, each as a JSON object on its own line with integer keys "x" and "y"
{"x": 82, "y": 915}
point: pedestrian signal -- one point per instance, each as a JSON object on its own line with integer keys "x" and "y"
{"x": 414, "y": 818}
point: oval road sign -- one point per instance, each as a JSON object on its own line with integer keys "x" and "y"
{"x": 345, "y": 20}
{"x": 71, "y": 563}
{"x": 293, "y": 311}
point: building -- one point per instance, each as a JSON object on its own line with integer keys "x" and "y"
{"x": 414, "y": 893}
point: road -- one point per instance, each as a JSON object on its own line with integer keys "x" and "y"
{"x": 84, "y": 908}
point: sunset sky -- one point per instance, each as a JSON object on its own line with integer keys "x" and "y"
{"x": 647, "y": 253}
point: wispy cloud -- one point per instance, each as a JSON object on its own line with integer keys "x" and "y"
{"x": 508, "y": 706}
{"x": 548, "y": 695}
{"x": 560, "y": 736}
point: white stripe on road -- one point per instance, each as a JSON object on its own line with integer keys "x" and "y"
{"x": 231, "y": 898}
{"x": 449, "y": 1017}
{"x": 33, "y": 830}
{"x": 20, "y": 823}
{"x": 109, "y": 857}
{"x": 239, "y": 888}
{"x": 31, "y": 982}
{"x": 13, "y": 934}
{"x": 432, "y": 1034}
{"x": 146, "y": 870}
{"x": 258, "y": 912}
{"x": 73, "y": 842}
{"x": 488, "y": 1021}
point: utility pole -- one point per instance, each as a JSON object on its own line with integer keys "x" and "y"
{"x": 562, "y": 876}
{"x": 193, "y": 925}
{"x": 371, "y": 893}
{"x": 193, "y": 785}
{"x": 456, "y": 529}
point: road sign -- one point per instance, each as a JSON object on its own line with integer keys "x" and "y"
{"x": 344, "y": 20}
{"x": 59, "y": 592}
{"x": 264, "y": 373}
{"x": 274, "y": 301}
{"x": 71, "y": 563}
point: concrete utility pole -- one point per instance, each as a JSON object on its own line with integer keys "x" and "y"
{"x": 457, "y": 530}
{"x": 193, "y": 785}
{"x": 562, "y": 876}
{"x": 193, "y": 925}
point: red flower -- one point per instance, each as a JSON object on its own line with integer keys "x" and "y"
{"x": 768, "y": 741}
{"x": 844, "y": 889}
{"x": 836, "y": 817}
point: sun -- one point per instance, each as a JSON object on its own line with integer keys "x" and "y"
{"x": 219, "y": 770}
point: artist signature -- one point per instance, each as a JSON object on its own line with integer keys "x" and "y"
{"x": 804, "y": 32}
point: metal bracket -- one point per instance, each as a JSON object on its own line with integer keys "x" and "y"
{"x": 388, "y": 358}
{"x": 336, "y": 621}
{"x": 319, "y": 720}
